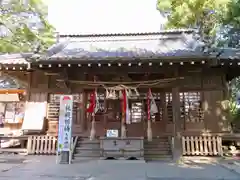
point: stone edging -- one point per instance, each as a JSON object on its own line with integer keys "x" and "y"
{"x": 234, "y": 167}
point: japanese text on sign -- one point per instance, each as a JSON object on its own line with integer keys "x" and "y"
{"x": 65, "y": 123}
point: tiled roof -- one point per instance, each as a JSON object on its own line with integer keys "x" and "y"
{"x": 142, "y": 45}
{"x": 168, "y": 32}
{"x": 229, "y": 53}
{"x": 14, "y": 58}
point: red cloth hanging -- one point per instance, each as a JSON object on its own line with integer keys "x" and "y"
{"x": 92, "y": 103}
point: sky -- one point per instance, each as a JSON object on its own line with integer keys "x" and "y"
{"x": 103, "y": 16}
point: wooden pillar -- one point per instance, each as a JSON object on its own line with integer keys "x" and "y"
{"x": 226, "y": 88}
{"x": 82, "y": 110}
{"x": 79, "y": 108}
{"x": 29, "y": 79}
{"x": 164, "y": 110}
{"x": 105, "y": 120}
{"x": 177, "y": 147}
{"x": 84, "y": 121}
{"x": 204, "y": 103}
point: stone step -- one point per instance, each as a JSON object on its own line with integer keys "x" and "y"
{"x": 157, "y": 153}
{"x": 155, "y": 148}
{"x": 158, "y": 147}
{"x": 88, "y": 144}
{"x": 156, "y": 142}
{"x": 87, "y": 141}
{"x": 84, "y": 159}
{"x": 162, "y": 158}
{"x": 87, "y": 147}
{"x": 87, "y": 154}
{"x": 158, "y": 157}
{"x": 81, "y": 149}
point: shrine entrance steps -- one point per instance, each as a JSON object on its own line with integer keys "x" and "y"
{"x": 87, "y": 149}
{"x": 159, "y": 149}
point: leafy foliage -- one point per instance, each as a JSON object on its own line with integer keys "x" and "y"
{"x": 234, "y": 99}
{"x": 23, "y": 27}
{"x": 211, "y": 17}
{"x": 192, "y": 13}
{"x": 231, "y": 20}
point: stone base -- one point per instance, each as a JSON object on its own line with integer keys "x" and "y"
{"x": 64, "y": 157}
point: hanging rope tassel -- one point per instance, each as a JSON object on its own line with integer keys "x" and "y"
{"x": 93, "y": 131}
{"x": 123, "y": 131}
{"x": 149, "y": 130}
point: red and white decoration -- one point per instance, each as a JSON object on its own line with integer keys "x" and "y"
{"x": 152, "y": 109}
{"x": 93, "y": 108}
{"x": 152, "y": 106}
{"x": 94, "y": 103}
{"x": 125, "y": 107}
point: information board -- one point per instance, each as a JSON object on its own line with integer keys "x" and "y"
{"x": 35, "y": 112}
{"x": 112, "y": 133}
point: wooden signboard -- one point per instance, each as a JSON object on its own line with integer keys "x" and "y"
{"x": 35, "y": 113}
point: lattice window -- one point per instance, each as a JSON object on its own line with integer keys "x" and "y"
{"x": 191, "y": 107}
{"x": 169, "y": 107}
{"x": 136, "y": 111}
{"x": 137, "y": 108}
{"x": 142, "y": 99}
{"x": 54, "y": 105}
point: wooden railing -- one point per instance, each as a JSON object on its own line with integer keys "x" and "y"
{"x": 74, "y": 144}
{"x": 45, "y": 145}
{"x": 202, "y": 145}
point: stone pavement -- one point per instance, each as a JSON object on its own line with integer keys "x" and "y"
{"x": 45, "y": 168}
{"x": 8, "y": 162}
{"x": 232, "y": 165}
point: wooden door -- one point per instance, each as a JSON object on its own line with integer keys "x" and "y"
{"x": 112, "y": 115}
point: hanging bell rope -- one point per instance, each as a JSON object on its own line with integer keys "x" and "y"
{"x": 123, "y": 131}
{"x": 93, "y": 131}
{"x": 93, "y": 128}
{"x": 149, "y": 130}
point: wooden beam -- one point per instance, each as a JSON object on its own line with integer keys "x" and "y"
{"x": 155, "y": 68}
{"x": 12, "y": 91}
{"x": 29, "y": 76}
{"x": 51, "y": 74}
{"x": 50, "y": 90}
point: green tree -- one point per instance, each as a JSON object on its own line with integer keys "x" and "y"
{"x": 209, "y": 16}
{"x": 23, "y": 26}
{"x": 232, "y": 21}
